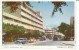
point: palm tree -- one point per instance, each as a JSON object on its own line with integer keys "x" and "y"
{"x": 58, "y": 6}
{"x": 12, "y": 5}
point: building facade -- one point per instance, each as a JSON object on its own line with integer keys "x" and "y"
{"x": 72, "y": 21}
{"x": 24, "y": 16}
{"x": 49, "y": 31}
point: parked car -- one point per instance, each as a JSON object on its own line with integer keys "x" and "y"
{"x": 72, "y": 38}
{"x": 42, "y": 39}
{"x": 55, "y": 38}
{"x": 50, "y": 38}
{"x": 21, "y": 41}
{"x": 2, "y": 42}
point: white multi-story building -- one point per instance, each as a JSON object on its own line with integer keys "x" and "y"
{"x": 24, "y": 16}
{"x": 48, "y": 31}
{"x": 53, "y": 31}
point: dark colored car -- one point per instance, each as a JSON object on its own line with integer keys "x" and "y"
{"x": 42, "y": 39}
{"x": 55, "y": 38}
{"x": 50, "y": 38}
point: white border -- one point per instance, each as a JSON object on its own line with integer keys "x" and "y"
{"x": 38, "y": 0}
{"x": 0, "y": 23}
{"x": 38, "y": 47}
{"x": 77, "y": 23}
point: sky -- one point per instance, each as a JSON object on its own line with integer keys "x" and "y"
{"x": 46, "y": 9}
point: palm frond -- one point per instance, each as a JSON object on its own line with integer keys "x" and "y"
{"x": 58, "y": 6}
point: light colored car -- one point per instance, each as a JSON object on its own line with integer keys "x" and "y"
{"x": 21, "y": 41}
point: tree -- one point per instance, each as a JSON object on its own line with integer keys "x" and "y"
{"x": 36, "y": 34}
{"x": 12, "y": 31}
{"x": 29, "y": 34}
{"x": 67, "y": 30}
{"x": 63, "y": 27}
{"x": 12, "y": 5}
{"x": 48, "y": 35}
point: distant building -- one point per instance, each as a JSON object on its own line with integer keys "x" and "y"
{"x": 54, "y": 33}
{"x": 72, "y": 28}
{"x": 50, "y": 31}
{"x": 47, "y": 31}
{"x": 72, "y": 21}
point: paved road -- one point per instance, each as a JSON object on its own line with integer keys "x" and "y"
{"x": 49, "y": 43}
{"x": 55, "y": 43}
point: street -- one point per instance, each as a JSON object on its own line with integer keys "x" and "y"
{"x": 45, "y": 43}
{"x": 55, "y": 43}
